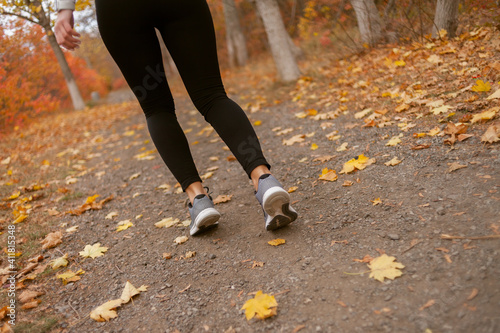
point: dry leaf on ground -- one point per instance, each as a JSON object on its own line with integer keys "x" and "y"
{"x": 276, "y": 242}
{"x": 327, "y": 174}
{"x": 59, "y": 262}
{"x": 106, "y": 311}
{"x": 455, "y": 166}
{"x": 124, "y": 225}
{"x": 222, "y": 198}
{"x": 393, "y": 162}
{"x": 70, "y": 276}
{"x": 262, "y": 305}
{"x": 492, "y": 134}
{"x": 358, "y": 163}
{"x": 93, "y": 251}
{"x": 385, "y": 267}
{"x": 180, "y": 239}
{"x": 52, "y": 240}
{"x": 166, "y": 222}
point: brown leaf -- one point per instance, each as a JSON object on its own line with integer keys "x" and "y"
{"x": 222, "y": 198}
{"x": 462, "y": 137}
{"x": 33, "y": 304}
{"x": 429, "y": 303}
{"x": 52, "y": 240}
{"x": 455, "y": 166}
{"x": 28, "y": 295}
{"x": 422, "y": 146}
{"x": 368, "y": 258}
{"x": 324, "y": 158}
{"x": 472, "y": 294}
{"x": 492, "y": 134}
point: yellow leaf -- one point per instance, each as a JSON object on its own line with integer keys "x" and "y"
{"x": 128, "y": 133}
{"x": 327, "y": 174}
{"x": 20, "y": 218}
{"x": 124, "y": 225}
{"x": 312, "y": 112}
{"x": 292, "y": 189}
{"x": 394, "y": 141}
{"x": 385, "y": 267}
{"x": 14, "y": 195}
{"x": 91, "y": 199}
{"x": 361, "y": 114}
{"x": 314, "y": 146}
{"x": 93, "y": 251}
{"x": 393, "y": 162}
{"x": 257, "y": 123}
{"x": 167, "y": 222}
{"x": 130, "y": 291}
{"x": 376, "y": 201}
{"x": 262, "y": 305}
{"x": 399, "y": 63}
{"x": 45, "y": 162}
{"x": 358, "y": 163}
{"x": 485, "y": 115}
{"x": 207, "y": 175}
{"x": 481, "y": 86}
{"x": 59, "y": 262}
{"x": 402, "y": 107}
{"x": 106, "y": 311}
{"x": 134, "y": 176}
{"x": 276, "y": 242}
{"x": 70, "y": 276}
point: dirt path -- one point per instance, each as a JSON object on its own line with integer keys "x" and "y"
{"x": 421, "y": 200}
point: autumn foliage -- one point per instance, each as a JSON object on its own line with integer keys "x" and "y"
{"x": 31, "y": 81}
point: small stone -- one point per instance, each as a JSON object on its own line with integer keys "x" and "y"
{"x": 212, "y": 256}
{"x": 393, "y": 236}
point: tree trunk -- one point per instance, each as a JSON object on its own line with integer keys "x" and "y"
{"x": 278, "y": 40}
{"x": 236, "y": 42}
{"x": 446, "y": 17}
{"x": 76, "y": 97}
{"x": 368, "y": 21}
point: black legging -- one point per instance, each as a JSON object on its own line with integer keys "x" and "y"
{"x": 127, "y": 29}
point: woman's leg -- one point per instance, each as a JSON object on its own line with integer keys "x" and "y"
{"x": 128, "y": 32}
{"x": 188, "y": 32}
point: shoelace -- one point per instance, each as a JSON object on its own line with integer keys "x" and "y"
{"x": 187, "y": 202}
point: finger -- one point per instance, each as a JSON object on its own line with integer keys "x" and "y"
{"x": 70, "y": 30}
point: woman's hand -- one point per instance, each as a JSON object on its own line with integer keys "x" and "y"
{"x": 64, "y": 32}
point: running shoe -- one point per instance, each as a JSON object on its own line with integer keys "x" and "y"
{"x": 275, "y": 202}
{"x": 203, "y": 214}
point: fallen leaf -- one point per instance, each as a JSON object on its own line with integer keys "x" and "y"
{"x": 70, "y": 276}
{"x": 481, "y": 86}
{"x": 134, "y": 176}
{"x": 294, "y": 139}
{"x": 93, "y": 251}
{"x": 421, "y": 146}
{"x": 130, "y": 291}
{"x": 366, "y": 259}
{"x": 314, "y": 146}
{"x": 276, "y": 242}
{"x": 59, "y": 262}
{"x": 124, "y": 225}
{"x": 180, "y": 239}
{"x": 473, "y": 294}
{"x": 376, "y": 201}
{"x": 72, "y": 229}
{"x": 111, "y": 215}
{"x": 455, "y": 166}
{"x": 393, "y": 162}
{"x": 106, "y": 311}
{"x": 167, "y": 255}
{"x": 385, "y": 267}
{"x": 257, "y": 123}
{"x": 52, "y": 240}
{"x": 222, "y": 198}
{"x": 358, "y": 163}
{"x": 485, "y": 115}
{"x": 167, "y": 222}
{"x": 342, "y": 147}
{"x": 347, "y": 183}
{"x": 434, "y": 131}
{"x": 492, "y": 134}
{"x": 361, "y": 114}
{"x": 262, "y": 305}
{"x": 496, "y": 94}
{"x": 463, "y": 137}
{"x": 292, "y": 189}
{"x": 257, "y": 264}
{"x": 394, "y": 141}
{"x": 28, "y": 295}
{"x": 324, "y": 158}
{"x": 441, "y": 109}
{"x": 329, "y": 175}
{"x": 190, "y": 254}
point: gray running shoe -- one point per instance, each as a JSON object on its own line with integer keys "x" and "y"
{"x": 275, "y": 202}
{"x": 203, "y": 214}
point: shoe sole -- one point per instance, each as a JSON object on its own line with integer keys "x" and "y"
{"x": 205, "y": 220}
{"x": 277, "y": 206}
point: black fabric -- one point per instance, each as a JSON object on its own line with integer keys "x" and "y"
{"x": 127, "y": 28}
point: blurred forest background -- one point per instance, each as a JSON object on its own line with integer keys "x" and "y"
{"x": 35, "y": 80}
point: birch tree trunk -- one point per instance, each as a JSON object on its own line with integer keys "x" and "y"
{"x": 236, "y": 42}
{"x": 74, "y": 92}
{"x": 278, "y": 40}
{"x": 368, "y": 19}
{"x": 446, "y": 17}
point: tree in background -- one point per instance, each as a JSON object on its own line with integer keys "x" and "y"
{"x": 31, "y": 81}
{"x": 279, "y": 40}
{"x": 368, "y": 18}
{"x": 236, "y": 42}
{"x": 39, "y": 12}
{"x": 446, "y": 17}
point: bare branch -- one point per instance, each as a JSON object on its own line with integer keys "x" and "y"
{"x": 20, "y": 16}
